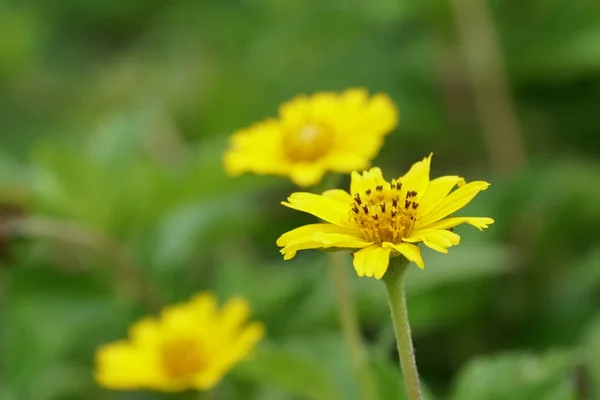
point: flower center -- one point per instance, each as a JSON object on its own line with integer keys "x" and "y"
{"x": 181, "y": 358}
{"x": 308, "y": 143}
{"x": 385, "y": 213}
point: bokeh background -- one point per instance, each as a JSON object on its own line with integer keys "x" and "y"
{"x": 113, "y": 119}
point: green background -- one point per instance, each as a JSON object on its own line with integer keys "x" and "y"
{"x": 113, "y": 119}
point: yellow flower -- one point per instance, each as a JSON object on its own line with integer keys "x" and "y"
{"x": 191, "y": 346}
{"x": 385, "y": 219}
{"x": 338, "y": 132}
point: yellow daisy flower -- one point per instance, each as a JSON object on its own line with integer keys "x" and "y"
{"x": 338, "y": 132}
{"x": 384, "y": 219}
{"x": 191, "y": 346}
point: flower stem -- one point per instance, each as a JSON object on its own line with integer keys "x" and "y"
{"x": 350, "y": 325}
{"x": 394, "y": 283}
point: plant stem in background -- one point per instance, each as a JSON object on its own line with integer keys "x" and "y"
{"x": 350, "y": 325}
{"x": 72, "y": 233}
{"x": 394, "y": 283}
{"x": 477, "y": 39}
{"x": 346, "y": 307}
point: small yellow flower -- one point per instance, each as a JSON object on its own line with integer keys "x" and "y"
{"x": 191, "y": 346}
{"x": 384, "y": 219}
{"x": 338, "y": 132}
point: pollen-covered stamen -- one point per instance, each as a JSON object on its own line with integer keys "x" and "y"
{"x": 308, "y": 143}
{"x": 384, "y": 213}
{"x": 181, "y": 358}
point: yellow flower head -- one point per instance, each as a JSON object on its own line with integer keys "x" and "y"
{"x": 383, "y": 218}
{"x": 338, "y": 132}
{"x": 191, "y": 346}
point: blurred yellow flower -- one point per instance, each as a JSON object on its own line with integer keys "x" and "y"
{"x": 191, "y": 346}
{"x": 385, "y": 219}
{"x": 338, "y": 132}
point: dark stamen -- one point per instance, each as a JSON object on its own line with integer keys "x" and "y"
{"x": 368, "y": 191}
{"x": 357, "y": 199}
{"x": 415, "y": 205}
{"x": 355, "y": 209}
{"x": 382, "y": 207}
{"x": 407, "y": 204}
{"x": 375, "y": 217}
{"x": 394, "y": 213}
{"x": 365, "y": 209}
{"x": 379, "y": 188}
{"x": 395, "y": 203}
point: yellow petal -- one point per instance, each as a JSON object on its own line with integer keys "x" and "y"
{"x": 417, "y": 177}
{"x": 372, "y": 261}
{"x": 203, "y": 303}
{"x": 145, "y": 332}
{"x": 436, "y": 192}
{"x": 436, "y": 239}
{"x": 323, "y": 240}
{"x": 346, "y": 161}
{"x": 368, "y": 180}
{"x": 237, "y": 349}
{"x": 341, "y": 195}
{"x": 325, "y": 208}
{"x": 233, "y": 314}
{"x": 453, "y": 202}
{"x": 308, "y": 231}
{"x": 307, "y": 174}
{"x": 478, "y": 222}
{"x": 120, "y": 366}
{"x": 355, "y": 98}
{"x": 408, "y": 250}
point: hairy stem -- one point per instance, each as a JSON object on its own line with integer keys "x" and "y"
{"x": 394, "y": 283}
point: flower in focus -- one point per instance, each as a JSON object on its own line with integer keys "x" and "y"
{"x": 338, "y": 132}
{"x": 191, "y": 346}
{"x": 384, "y": 219}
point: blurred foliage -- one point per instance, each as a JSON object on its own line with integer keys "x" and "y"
{"x": 114, "y": 116}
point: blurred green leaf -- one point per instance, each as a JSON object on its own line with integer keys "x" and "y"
{"x": 518, "y": 376}
{"x": 591, "y": 356}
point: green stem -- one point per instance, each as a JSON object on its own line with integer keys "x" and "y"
{"x": 349, "y": 323}
{"x": 350, "y": 326}
{"x": 394, "y": 283}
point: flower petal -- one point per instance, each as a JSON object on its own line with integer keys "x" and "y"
{"x": 237, "y": 349}
{"x": 436, "y": 192}
{"x": 121, "y": 366}
{"x": 417, "y": 177}
{"x": 326, "y": 208}
{"x": 367, "y": 180}
{"x": 346, "y": 161}
{"x": 372, "y": 261}
{"x": 308, "y": 231}
{"x": 306, "y": 174}
{"x": 323, "y": 240}
{"x": 453, "y": 202}
{"x": 234, "y": 313}
{"x": 436, "y": 239}
{"x": 408, "y": 250}
{"x": 340, "y": 195}
{"x": 478, "y": 222}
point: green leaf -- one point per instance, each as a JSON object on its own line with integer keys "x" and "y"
{"x": 517, "y": 376}
{"x": 591, "y": 355}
